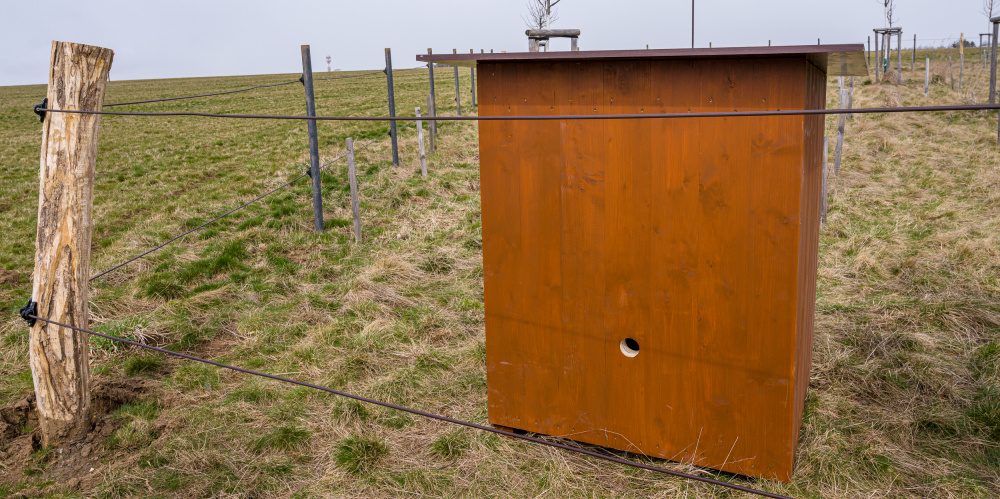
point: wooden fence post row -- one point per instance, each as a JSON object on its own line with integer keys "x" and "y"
{"x": 58, "y": 356}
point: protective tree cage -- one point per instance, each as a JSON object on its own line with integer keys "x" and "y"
{"x": 650, "y": 283}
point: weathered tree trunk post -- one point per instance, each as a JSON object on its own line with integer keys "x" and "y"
{"x": 353, "y": 179}
{"x": 420, "y": 142}
{"x": 59, "y": 360}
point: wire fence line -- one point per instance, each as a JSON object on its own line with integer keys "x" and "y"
{"x": 255, "y": 87}
{"x": 418, "y": 412}
{"x": 230, "y": 212}
{"x": 200, "y": 95}
{"x": 557, "y": 117}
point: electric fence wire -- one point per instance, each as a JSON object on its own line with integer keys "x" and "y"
{"x": 556, "y": 117}
{"x": 201, "y": 95}
{"x": 150, "y": 101}
{"x": 417, "y": 412}
{"x": 230, "y": 212}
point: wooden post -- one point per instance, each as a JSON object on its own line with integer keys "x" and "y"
{"x": 317, "y": 190}
{"x": 431, "y": 125}
{"x": 420, "y": 143}
{"x": 458, "y": 93}
{"x": 353, "y": 178}
{"x": 822, "y": 203}
{"x": 961, "y": 69}
{"x": 868, "y": 54}
{"x": 927, "y": 75}
{"x": 58, "y": 356}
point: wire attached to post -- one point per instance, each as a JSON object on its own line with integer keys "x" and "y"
{"x": 40, "y": 109}
{"x": 29, "y": 312}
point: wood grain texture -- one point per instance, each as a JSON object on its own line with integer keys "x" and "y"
{"x": 696, "y": 238}
{"x": 58, "y": 356}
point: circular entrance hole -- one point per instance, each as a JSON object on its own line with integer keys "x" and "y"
{"x": 630, "y": 347}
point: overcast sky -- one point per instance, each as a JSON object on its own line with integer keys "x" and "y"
{"x": 182, "y": 38}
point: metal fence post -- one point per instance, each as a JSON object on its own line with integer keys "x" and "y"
{"x": 826, "y": 158}
{"x": 392, "y": 107}
{"x": 993, "y": 63}
{"x": 458, "y": 94}
{"x": 472, "y": 74}
{"x": 307, "y": 82}
{"x": 951, "y": 72}
{"x": 913, "y": 55}
{"x": 420, "y": 143}
{"x": 840, "y": 128}
{"x": 432, "y": 124}
{"x": 899, "y": 54}
{"x": 353, "y": 179}
{"x": 431, "y": 110}
{"x": 850, "y": 99}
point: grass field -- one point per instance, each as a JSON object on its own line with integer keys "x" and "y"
{"x": 904, "y": 397}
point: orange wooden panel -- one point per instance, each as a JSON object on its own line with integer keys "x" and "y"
{"x": 694, "y": 237}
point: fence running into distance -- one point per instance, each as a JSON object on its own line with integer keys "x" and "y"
{"x": 30, "y": 313}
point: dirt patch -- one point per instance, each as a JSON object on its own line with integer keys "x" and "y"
{"x": 36, "y": 471}
{"x": 9, "y": 276}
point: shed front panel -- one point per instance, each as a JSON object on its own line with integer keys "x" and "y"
{"x": 694, "y": 237}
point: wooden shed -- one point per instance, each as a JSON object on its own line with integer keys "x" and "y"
{"x": 650, "y": 283}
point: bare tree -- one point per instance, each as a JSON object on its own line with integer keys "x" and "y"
{"x": 890, "y": 12}
{"x": 540, "y": 14}
{"x": 988, "y": 7}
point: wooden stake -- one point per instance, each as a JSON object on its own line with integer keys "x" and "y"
{"x": 420, "y": 142}
{"x": 58, "y": 356}
{"x": 353, "y": 177}
{"x": 927, "y": 75}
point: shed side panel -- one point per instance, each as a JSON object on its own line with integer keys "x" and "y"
{"x": 812, "y": 166}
